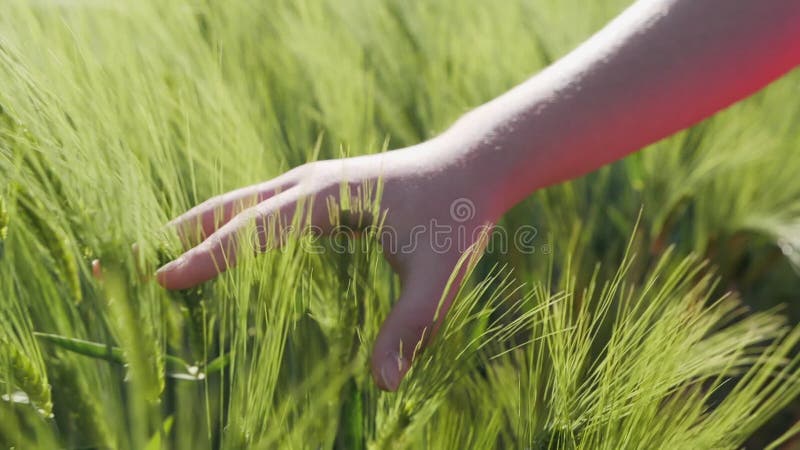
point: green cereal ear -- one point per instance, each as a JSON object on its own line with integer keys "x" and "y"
{"x": 22, "y": 374}
{"x": 56, "y": 241}
{"x": 78, "y": 411}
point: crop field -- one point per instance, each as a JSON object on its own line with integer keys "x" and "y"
{"x": 653, "y": 305}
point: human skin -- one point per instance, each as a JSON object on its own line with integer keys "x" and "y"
{"x": 659, "y": 67}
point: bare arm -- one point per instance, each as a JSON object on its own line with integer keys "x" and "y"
{"x": 659, "y": 67}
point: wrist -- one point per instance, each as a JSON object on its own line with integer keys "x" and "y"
{"x": 489, "y": 152}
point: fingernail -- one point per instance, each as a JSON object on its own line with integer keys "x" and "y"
{"x": 97, "y": 270}
{"x": 392, "y": 370}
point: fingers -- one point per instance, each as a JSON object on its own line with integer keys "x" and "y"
{"x": 218, "y": 253}
{"x": 410, "y": 325}
{"x": 204, "y": 219}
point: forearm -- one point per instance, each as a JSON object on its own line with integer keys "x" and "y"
{"x": 659, "y": 67}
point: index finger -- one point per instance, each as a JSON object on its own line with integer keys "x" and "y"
{"x": 201, "y": 221}
{"x": 217, "y": 253}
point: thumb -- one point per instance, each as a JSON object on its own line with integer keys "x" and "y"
{"x": 413, "y": 320}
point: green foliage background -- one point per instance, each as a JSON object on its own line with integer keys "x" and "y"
{"x": 117, "y": 116}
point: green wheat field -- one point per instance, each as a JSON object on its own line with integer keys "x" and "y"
{"x": 658, "y": 308}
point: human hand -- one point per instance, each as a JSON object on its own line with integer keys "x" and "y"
{"x": 434, "y": 210}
